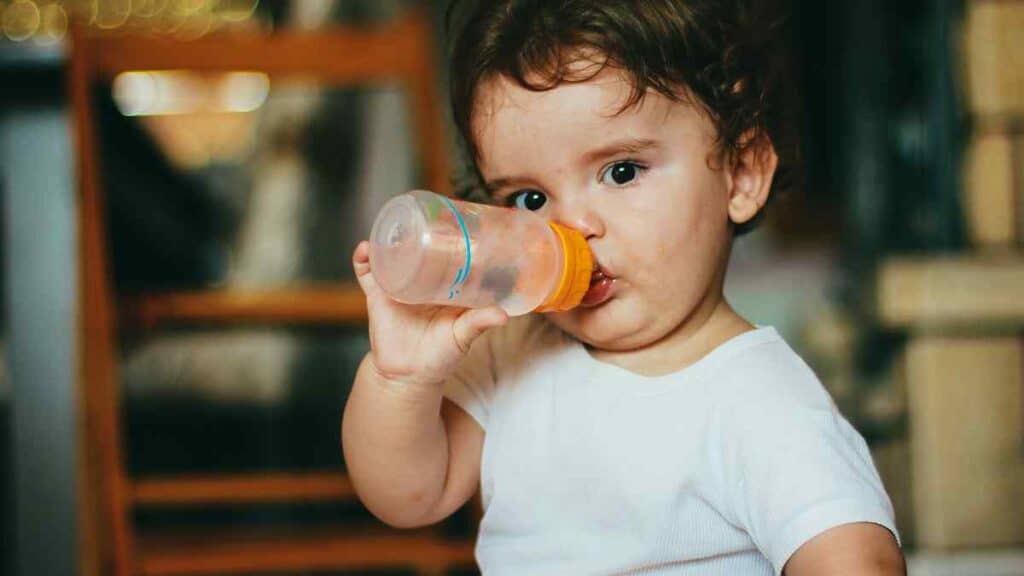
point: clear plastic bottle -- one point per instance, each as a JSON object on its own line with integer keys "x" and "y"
{"x": 428, "y": 249}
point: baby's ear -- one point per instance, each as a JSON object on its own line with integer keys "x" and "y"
{"x": 752, "y": 170}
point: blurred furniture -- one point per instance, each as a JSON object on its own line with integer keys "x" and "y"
{"x": 964, "y": 313}
{"x": 400, "y": 51}
{"x": 964, "y": 373}
{"x": 993, "y": 184}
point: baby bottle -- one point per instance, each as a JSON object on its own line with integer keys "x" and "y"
{"x": 428, "y": 249}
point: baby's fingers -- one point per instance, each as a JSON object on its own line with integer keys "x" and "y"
{"x": 472, "y": 323}
{"x": 361, "y": 258}
{"x": 361, "y": 266}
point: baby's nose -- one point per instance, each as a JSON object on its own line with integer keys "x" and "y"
{"x": 577, "y": 211}
{"x": 584, "y": 219}
{"x": 591, "y": 226}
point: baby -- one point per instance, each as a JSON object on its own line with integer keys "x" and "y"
{"x": 652, "y": 429}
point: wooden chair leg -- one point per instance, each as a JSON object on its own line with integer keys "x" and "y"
{"x": 97, "y": 337}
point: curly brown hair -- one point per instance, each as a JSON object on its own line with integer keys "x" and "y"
{"x": 724, "y": 56}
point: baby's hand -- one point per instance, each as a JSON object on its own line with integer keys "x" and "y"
{"x": 417, "y": 344}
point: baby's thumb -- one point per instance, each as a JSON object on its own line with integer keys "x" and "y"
{"x": 361, "y": 266}
{"x": 472, "y": 323}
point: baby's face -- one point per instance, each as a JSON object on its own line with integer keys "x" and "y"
{"x": 643, "y": 186}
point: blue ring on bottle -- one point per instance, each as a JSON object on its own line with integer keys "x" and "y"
{"x": 463, "y": 273}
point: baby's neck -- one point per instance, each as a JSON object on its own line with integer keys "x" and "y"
{"x": 706, "y": 329}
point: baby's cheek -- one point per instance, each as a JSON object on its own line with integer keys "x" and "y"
{"x": 679, "y": 265}
{"x": 661, "y": 267}
{"x": 661, "y": 251}
{"x": 668, "y": 240}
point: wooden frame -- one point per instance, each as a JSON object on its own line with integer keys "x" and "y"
{"x": 338, "y": 305}
{"x": 400, "y": 52}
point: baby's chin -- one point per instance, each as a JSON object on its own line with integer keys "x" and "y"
{"x": 603, "y": 329}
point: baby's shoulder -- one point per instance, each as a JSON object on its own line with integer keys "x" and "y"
{"x": 770, "y": 376}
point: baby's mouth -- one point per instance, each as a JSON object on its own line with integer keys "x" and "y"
{"x": 600, "y": 273}
{"x": 602, "y": 285}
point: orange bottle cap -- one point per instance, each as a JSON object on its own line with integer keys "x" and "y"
{"x": 577, "y": 269}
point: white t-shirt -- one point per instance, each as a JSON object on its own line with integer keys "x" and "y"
{"x": 725, "y": 467}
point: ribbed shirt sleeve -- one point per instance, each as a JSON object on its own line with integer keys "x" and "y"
{"x": 788, "y": 473}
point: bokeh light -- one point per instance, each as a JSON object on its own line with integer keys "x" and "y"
{"x": 53, "y": 24}
{"x": 146, "y": 93}
{"x": 21, "y": 20}
{"x": 46, "y": 21}
{"x": 113, "y": 13}
{"x": 244, "y": 91}
{"x": 236, "y": 10}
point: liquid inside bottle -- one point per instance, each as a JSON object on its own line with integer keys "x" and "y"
{"x": 426, "y": 248}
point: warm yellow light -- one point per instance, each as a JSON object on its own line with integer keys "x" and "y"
{"x": 244, "y": 91}
{"x": 148, "y": 8}
{"x": 83, "y": 10}
{"x": 53, "y": 24}
{"x": 135, "y": 93}
{"x": 167, "y": 21}
{"x": 236, "y": 10}
{"x": 184, "y": 7}
{"x": 174, "y": 92}
{"x": 195, "y": 26}
{"x": 112, "y": 13}
{"x": 20, "y": 20}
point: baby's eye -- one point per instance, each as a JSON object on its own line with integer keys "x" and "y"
{"x": 621, "y": 173}
{"x": 527, "y": 200}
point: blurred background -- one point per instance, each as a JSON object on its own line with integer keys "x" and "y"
{"x": 179, "y": 329}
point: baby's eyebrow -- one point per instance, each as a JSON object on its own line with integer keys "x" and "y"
{"x": 615, "y": 148}
{"x": 492, "y": 186}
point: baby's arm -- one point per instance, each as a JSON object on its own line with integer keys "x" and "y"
{"x": 860, "y": 548}
{"x": 413, "y": 457}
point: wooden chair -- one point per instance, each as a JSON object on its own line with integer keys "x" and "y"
{"x": 398, "y": 51}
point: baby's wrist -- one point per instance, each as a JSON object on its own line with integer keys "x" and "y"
{"x": 408, "y": 384}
